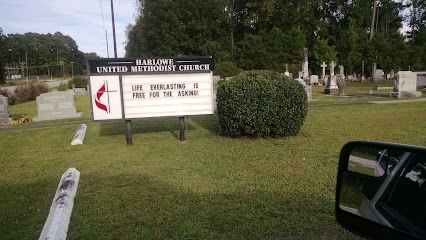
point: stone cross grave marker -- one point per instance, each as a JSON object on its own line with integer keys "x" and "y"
{"x": 56, "y": 105}
{"x": 332, "y": 66}
{"x": 331, "y": 83}
{"x": 323, "y": 65}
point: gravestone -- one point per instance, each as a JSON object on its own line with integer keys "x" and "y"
{"x": 70, "y": 91}
{"x": 324, "y": 80}
{"x": 323, "y": 65}
{"x": 392, "y": 74}
{"x": 305, "y": 67}
{"x": 379, "y": 75}
{"x": 373, "y": 73}
{"x": 5, "y": 118}
{"x": 313, "y": 80}
{"x": 80, "y": 91}
{"x": 286, "y": 73}
{"x": 421, "y": 79}
{"x": 342, "y": 71}
{"x": 79, "y": 135}
{"x": 216, "y": 79}
{"x": 301, "y": 81}
{"x": 331, "y": 87}
{"x": 341, "y": 83}
{"x": 405, "y": 85}
{"x": 56, "y": 225}
{"x": 300, "y": 74}
{"x": 388, "y": 76}
{"x": 56, "y": 105}
{"x": 308, "y": 89}
{"x": 350, "y": 78}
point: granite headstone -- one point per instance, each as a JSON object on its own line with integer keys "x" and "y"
{"x": 56, "y": 105}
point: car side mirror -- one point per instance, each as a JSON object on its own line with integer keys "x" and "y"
{"x": 381, "y": 190}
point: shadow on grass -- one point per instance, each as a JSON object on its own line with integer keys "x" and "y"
{"x": 208, "y": 122}
{"x": 24, "y": 208}
{"x": 147, "y": 125}
{"x": 143, "y": 207}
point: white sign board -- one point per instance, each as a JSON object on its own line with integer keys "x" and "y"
{"x": 132, "y": 88}
{"x": 167, "y": 95}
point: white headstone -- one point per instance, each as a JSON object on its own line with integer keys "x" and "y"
{"x": 305, "y": 68}
{"x": 80, "y": 91}
{"x": 313, "y": 80}
{"x": 56, "y": 105}
{"x": 56, "y": 225}
{"x": 79, "y": 135}
{"x": 308, "y": 89}
{"x": 379, "y": 74}
{"x": 216, "y": 79}
{"x": 286, "y": 73}
{"x": 301, "y": 81}
{"x": 342, "y": 71}
{"x": 332, "y": 66}
{"x": 373, "y": 73}
{"x": 323, "y": 65}
{"x": 5, "y": 118}
{"x": 392, "y": 74}
{"x": 405, "y": 85}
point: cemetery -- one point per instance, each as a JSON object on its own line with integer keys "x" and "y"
{"x": 218, "y": 119}
{"x": 160, "y": 187}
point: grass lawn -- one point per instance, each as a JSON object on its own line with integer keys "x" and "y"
{"x": 211, "y": 187}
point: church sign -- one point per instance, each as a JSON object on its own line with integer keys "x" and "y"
{"x": 150, "y": 87}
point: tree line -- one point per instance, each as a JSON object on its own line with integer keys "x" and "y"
{"x": 35, "y": 54}
{"x": 267, "y": 34}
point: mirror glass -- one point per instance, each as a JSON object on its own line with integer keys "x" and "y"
{"x": 386, "y": 186}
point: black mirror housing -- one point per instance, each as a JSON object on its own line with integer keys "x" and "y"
{"x": 381, "y": 190}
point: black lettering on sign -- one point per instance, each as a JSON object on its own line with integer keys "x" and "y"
{"x": 167, "y": 94}
{"x": 139, "y": 95}
{"x": 195, "y": 85}
{"x": 154, "y": 94}
{"x": 188, "y": 93}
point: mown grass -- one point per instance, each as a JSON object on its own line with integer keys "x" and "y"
{"x": 211, "y": 187}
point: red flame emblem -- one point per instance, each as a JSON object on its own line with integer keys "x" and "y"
{"x": 98, "y": 95}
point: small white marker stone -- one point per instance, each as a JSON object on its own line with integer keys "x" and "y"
{"x": 56, "y": 226}
{"x": 79, "y": 135}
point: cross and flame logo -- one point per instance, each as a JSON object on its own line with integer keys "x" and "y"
{"x": 98, "y": 95}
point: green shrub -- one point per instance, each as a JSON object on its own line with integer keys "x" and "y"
{"x": 29, "y": 92}
{"x": 261, "y": 103}
{"x": 62, "y": 87}
{"x": 226, "y": 69}
{"x": 78, "y": 82}
{"x": 10, "y": 96}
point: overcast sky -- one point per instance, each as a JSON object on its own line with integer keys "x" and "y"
{"x": 80, "y": 19}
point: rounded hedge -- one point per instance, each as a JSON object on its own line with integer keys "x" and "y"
{"x": 261, "y": 103}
